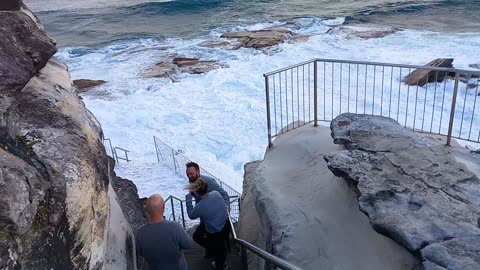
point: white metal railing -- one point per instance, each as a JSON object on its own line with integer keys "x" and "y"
{"x": 321, "y": 89}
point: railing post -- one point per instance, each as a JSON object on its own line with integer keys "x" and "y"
{"x": 183, "y": 215}
{"x": 156, "y": 149}
{"x": 452, "y": 112}
{"x": 315, "y": 94}
{"x": 174, "y": 162}
{"x": 243, "y": 251}
{"x": 269, "y": 124}
{"x": 173, "y": 210}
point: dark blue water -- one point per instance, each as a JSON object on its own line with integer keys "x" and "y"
{"x": 95, "y": 23}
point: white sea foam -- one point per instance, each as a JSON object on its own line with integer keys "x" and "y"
{"x": 219, "y": 118}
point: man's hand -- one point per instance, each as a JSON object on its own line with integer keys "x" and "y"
{"x": 188, "y": 197}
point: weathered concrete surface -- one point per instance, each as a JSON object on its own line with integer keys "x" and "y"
{"x": 307, "y": 215}
{"x": 412, "y": 189}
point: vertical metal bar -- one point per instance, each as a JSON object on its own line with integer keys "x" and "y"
{"x": 473, "y": 112}
{"x": 348, "y": 103}
{"x": 341, "y": 71}
{"x": 126, "y": 156}
{"x": 173, "y": 209}
{"x": 324, "y": 91}
{"x": 408, "y": 98}
{"x": 116, "y": 157}
{"x": 365, "y": 94}
{"x": 383, "y": 81}
{"x": 309, "y": 95}
{"x": 356, "y": 95}
{"x": 156, "y": 149}
{"x": 391, "y": 92}
{"x": 183, "y": 215}
{"x": 452, "y": 112}
{"x": 286, "y": 96}
{"x": 291, "y": 86}
{"x": 443, "y": 102}
{"x": 303, "y": 88}
{"x": 315, "y": 95}
{"x": 374, "y": 84}
{"x": 415, "y": 113}
{"x": 434, "y": 100}
{"x": 424, "y": 104}
{"x": 332, "y": 86}
{"x": 243, "y": 251}
{"x": 174, "y": 162}
{"x": 275, "y": 104}
{"x": 281, "y": 103}
{"x": 298, "y": 102}
{"x": 464, "y": 105}
{"x": 398, "y": 97}
{"x": 269, "y": 124}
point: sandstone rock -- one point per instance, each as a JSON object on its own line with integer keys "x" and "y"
{"x": 421, "y": 77}
{"x": 84, "y": 85}
{"x": 162, "y": 70}
{"x": 58, "y": 210}
{"x": 182, "y": 61}
{"x": 260, "y": 38}
{"x": 220, "y": 43}
{"x": 10, "y": 4}
{"x": 412, "y": 190}
{"x": 24, "y": 50}
{"x": 299, "y": 39}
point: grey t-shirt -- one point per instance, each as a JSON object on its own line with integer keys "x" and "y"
{"x": 162, "y": 245}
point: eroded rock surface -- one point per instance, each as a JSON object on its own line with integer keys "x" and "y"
{"x": 412, "y": 189}
{"x": 260, "y": 38}
{"x": 84, "y": 85}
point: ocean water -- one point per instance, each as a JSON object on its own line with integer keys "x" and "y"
{"x": 219, "y": 118}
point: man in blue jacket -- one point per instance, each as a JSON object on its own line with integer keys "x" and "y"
{"x": 193, "y": 173}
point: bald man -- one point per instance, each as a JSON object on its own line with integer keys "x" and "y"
{"x": 162, "y": 242}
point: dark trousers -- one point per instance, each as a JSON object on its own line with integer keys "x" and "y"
{"x": 216, "y": 245}
{"x": 200, "y": 235}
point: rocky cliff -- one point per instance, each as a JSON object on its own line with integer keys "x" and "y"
{"x": 58, "y": 209}
{"x": 412, "y": 189}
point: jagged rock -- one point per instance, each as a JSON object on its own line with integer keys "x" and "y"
{"x": 412, "y": 189}
{"x": 10, "y": 4}
{"x": 58, "y": 210}
{"x": 476, "y": 66}
{"x": 421, "y": 77}
{"x": 220, "y": 43}
{"x": 260, "y": 38}
{"x": 454, "y": 254}
{"x": 84, "y": 85}
{"x": 24, "y": 49}
{"x": 364, "y": 31}
{"x": 161, "y": 69}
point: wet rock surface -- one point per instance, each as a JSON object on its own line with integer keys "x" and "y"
{"x": 170, "y": 67}
{"x": 421, "y": 77}
{"x": 84, "y": 85}
{"x": 260, "y": 38}
{"x": 412, "y": 189}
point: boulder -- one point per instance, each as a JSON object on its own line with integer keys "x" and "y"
{"x": 10, "y": 4}
{"x": 421, "y": 76}
{"x": 24, "y": 50}
{"x": 454, "y": 254}
{"x": 476, "y": 66}
{"x": 412, "y": 189}
{"x": 260, "y": 38}
{"x": 161, "y": 70}
{"x": 84, "y": 85}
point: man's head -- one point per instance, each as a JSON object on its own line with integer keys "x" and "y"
{"x": 193, "y": 171}
{"x": 155, "y": 208}
{"x": 199, "y": 186}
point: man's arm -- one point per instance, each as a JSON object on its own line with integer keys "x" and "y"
{"x": 213, "y": 185}
{"x": 184, "y": 239}
{"x": 192, "y": 214}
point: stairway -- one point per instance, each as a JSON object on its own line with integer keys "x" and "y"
{"x": 195, "y": 260}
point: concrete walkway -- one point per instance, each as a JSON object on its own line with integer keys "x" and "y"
{"x": 313, "y": 215}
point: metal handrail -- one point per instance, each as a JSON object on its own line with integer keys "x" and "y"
{"x": 453, "y": 70}
{"x": 338, "y": 86}
{"x": 270, "y": 258}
